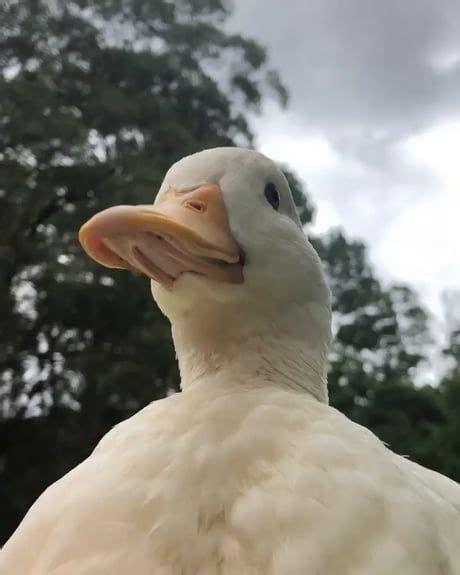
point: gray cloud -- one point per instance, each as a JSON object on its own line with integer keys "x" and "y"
{"x": 362, "y": 64}
{"x": 366, "y": 76}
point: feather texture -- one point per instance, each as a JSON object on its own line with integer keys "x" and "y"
{"x": 241, "y": 481}
{"x": 248, "y": 471}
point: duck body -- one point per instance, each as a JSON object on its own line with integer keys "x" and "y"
{"x": 247, "y": 471}
{"x": 236, "y": 479}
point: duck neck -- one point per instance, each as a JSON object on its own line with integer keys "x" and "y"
{"x": 289, "y": 351}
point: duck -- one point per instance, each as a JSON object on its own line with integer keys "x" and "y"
{"x": 247, "y": 470}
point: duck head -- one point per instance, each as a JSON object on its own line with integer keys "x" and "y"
{"x": 230, "y": 266}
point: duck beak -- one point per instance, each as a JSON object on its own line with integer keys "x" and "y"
{"x": 184, "y": 231}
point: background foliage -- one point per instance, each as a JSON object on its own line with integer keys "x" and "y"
{"x": 97, "y": 99}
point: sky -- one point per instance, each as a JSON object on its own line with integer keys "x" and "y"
{"x": 373, "y": 125}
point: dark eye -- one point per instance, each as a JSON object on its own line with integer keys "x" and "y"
{"x": 272, "y": 195}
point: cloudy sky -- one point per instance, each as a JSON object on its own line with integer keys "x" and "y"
{"x": 373, "y": 125}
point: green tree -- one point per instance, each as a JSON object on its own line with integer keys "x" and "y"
{"x": 305, "y": 209}
{"x": 97, "y": 99}
{"x": 381, "y": 339}
{"x": 447, "y": 445}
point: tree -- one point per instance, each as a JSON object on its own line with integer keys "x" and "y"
{"x": 98, "y": 98}
{"x": 305, "y": 209}
{"x": 381, "y": 338}
{"x": 447, "y": 445}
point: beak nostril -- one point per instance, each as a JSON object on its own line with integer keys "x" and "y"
{"x": 196, "y": 206}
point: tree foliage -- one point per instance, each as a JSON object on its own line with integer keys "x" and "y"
{"x": 381, "y": 339}
{"x": 97, "y": 99}
{"x": 448, "y": 434}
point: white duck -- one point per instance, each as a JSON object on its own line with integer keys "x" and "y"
{"x": 248, "y": 470}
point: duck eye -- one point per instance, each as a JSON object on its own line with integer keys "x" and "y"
{"x": 272, "y": 195}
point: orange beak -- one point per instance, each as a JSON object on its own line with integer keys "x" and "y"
{"x": 185, "y": 231}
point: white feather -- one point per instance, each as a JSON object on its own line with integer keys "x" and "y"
{"x": 247, "y": 470}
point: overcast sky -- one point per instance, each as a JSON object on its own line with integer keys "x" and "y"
{"x": 373, "y": 124}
